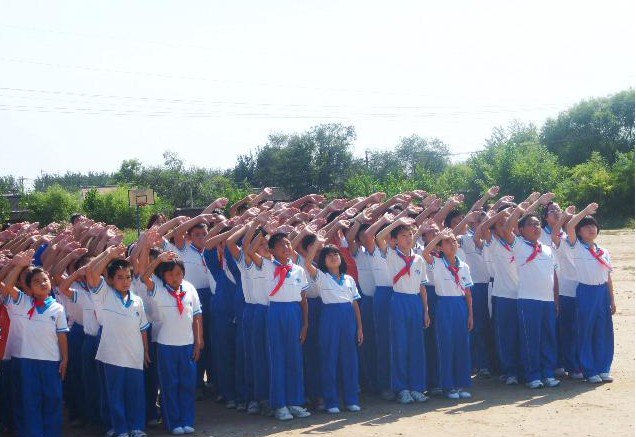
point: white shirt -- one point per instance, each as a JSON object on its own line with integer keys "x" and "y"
{"x": 409, "y": 283}
{"x": 333, "y": 291}
{"x": 36, "y": 337}
{"x": 445, "y": 284}
{"x": 366, "y": 280}
{"x": 294, "y": 285}
{"x": 71, "y": 309}
{"x": 260, "y": 285}
{"x": 536, "y": 277}
{"x": 139, "y": 288}
{"x": 246, "y": 279}
{"x": 122, "y": 323}
{"x": 546, "y": 236}
{"x": 84, "y": 300}
{"x": 506, "y": 277}
{"x": 567, "y": 272}
{"x": 380, "y": 269}
{"x": 474, "y": 257}
{"x": 588, "y": 269}
{"x": 196, "y": 270}
{"x": 175, "y": 328}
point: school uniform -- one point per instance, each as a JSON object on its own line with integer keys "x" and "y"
{"x": 37, "y": 366}
{"x": 121, "y": 351}
{"x": 595, "y": 331}
{"x": 568, "y": 357}
{"x": 408, "y": 365}
{"x": 6, "y": 410}
{"x": 382, "y": 318}
{"x": 286, "y": 283}
{"x": 338, "y": 339}
{"x": 246, "y": 326}
{"x": 177, "y": 370}
{"x": 480, "y": 337}
{"x": 504, "y": 305}
{"x": 366, "y": 284}
{"x": 536, "y": 264}
{"x": 451, "y": 323}
{"x": 258, "y": 341}
{"x": 311, "y": 347}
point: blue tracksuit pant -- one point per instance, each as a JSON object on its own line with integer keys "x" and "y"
{"x": 506, "y": 321}
{"x": 480, "y": 341}
{"x": 382, "y": 319}
{"x": 566, "y": 328}
{"x": 430, "y": 340}
{"x": 453, "y": 342}
{"x": 595, "y": 331}
{"x": 126, "y": 398}
{"x": 369, "y": 352}
{"x": 260, "y": 353}
{"x": 311, "y": 351}
{"x": 177, "y": 377}
{"x": 408, "y": 365}
{"x": 41, "y": 398}
{"x": 537, "y": 329}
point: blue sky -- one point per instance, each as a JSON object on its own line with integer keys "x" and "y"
{"x": 84, "y": 85}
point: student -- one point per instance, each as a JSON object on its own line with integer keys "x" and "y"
{"x": 180, "y": 339}
{"x": 453, "y": 314}
{"x": 409, "y": 311}
{"x": 286, "y": 326}
{"x": 537, "y": 300}
{"x": 595, "y": 303}
{"x": 41, "y": 349}
{"x": 340, "y": 326}
{"x": 123, "y": 346}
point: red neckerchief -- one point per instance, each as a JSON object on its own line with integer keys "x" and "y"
{"x": 178, "y": 296}
{"x": 454, "y": 271}
{"x": 406, "y": 270}
{"x": 597, "y": 254}
{"x": 536, "y": 249}
{"x": 506, "y": 246}
{"x": 36, "y": 304}
{"x": 282, "y": 270}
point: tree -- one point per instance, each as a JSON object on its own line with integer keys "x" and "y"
{"x": 53, "y": 204}
{"x": 423, "y": 154}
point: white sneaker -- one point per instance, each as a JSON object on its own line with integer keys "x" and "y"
{"x": 138, "y": 433}
{"x": 452, "y": 394}
{"x": 559, "y": 372}
{"x": 606, "y": 377}
{"x": 178, "y": 431}
{"x": 576, "y": 375}
{"x": 230, "y": 405}
{"x": 484, "y": 374}
{"x": 188, "y": 429}
{"x": 596, "y": 379}
{"x": 123, "y": 434}
{"x": 353, "y": 408}
{"x": 297, "y": 411}
{"x": 333, "y": 410}
{"x": 110, "y": 433}
{"x": 512, "y": 380}
{"x": 534, "y": 384}
{"x": 551, "y": 382}
{"x": 241, "y": 406}
{"x": 283, "y": 414}
{"x": 464, "y": 394}
{"x": 419, "y": 396}
{"x": 404, "y": 397}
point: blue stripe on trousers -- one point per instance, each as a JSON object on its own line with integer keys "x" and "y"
{"x": 260, "y": 353}
{"x": 408, "y": 361}
{"x": 480, "y": 341}
{"x": 177, "y": 377}
{"x": 566, "y": 328}
{"x": 595, "y": 331}
{"x": 537, "y": 328}
{"x": 453, "y": 342}
{"x": 369, "y": 352}
{"x": 92, "y": 392}
{"x": 126, "y": 398}
{"x": 382, "y": 319}
{"x": 246, "y": 328}
{"x": 41, "y": 398}
{"x": 311, "y": 355}
{"x": 73, "y": 380}
{"x": 506, "y": 321}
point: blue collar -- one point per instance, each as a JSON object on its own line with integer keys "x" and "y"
{"x": 47, "y": 303}
{"x": 128, "y": 301}
{"x": 447, "y": 263}
{"x": 399, "y": 252}
{"x": 530, "y": 243}
{"x": 338, "y": 281}
{"x": 278, "y": 263}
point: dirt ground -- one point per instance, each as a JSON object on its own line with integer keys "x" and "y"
{"x": 574, "y": 408}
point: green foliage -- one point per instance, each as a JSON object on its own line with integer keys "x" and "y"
{"x": 5, "y": 210}
{"x": 53, "y": 204}
{"x": 9, "y": 184}
{"x": 72, "y": 181}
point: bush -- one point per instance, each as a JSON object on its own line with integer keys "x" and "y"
{"x": 55, "y": 204}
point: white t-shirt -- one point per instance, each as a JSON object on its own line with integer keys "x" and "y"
{"x": 175, "y": 328}
{"x": 84, "y": 300}
{"x": 293, "y": 286}
{"x": 409, "y": 283}
{"x": 474, "y": 258}
{"x": 588, "y": 269}
{"x": 445, "y": 283}
{"x": 246, "y": 280}
{"x": 366, "y": 280}
{"x": 380, "y": 269}
{"x": 536, "y": 277}
{"x": 71, "y": 309}
{"x": 333, "y": 291}
{"x": 36, "y": 337}
{"x": 506, "y": 277}
{"x": 196, "y": 270}
{"x": 260, "y": 285}
{"x": 567, "y": 272}
{"x": 546, "y": 236}
{"x": 139, "y": 288}
{"x": 122, "y": 323}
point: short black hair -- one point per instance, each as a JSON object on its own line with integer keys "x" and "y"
{"x": 74, "y": 217}
{"x": 506, "y": 205}
{"x": 451, "y": 215}
{"x": 198, "y": 226}
{"x": 322, "y": 259}
{"x": 115, "y": 265}
{"x": 525, "y": 218}
{"x": 363, "y": 227}
{"x": 31, "y": 273}
{"x": 587, "y": 220}
{"x": 82, "y": 261}
{"x": 153, "y": 219}
{"x": 396, "y": 230}
{"x": 274, "y": 239}
{"x": 168, "y": 266}
{"x": 307, "y": 241}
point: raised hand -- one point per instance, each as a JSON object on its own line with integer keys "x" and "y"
{"x": 546, "y": 198}
{"x": 493, "y": 191}
{"x": 23, "y": 259}
{"x": 591, "y": 208}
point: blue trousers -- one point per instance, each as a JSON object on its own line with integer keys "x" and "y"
{"x": 151, "y": 379}
{"x": 16, "y": 394}
{"x": 382, "y": 319}
{"x": 537, "y": 328}
{"x": 339, "y": 354}
{"x": 246, "y": 328}
{"x": 595, "y": 331}
{"x": 6, "y": 410}
{"x": 224, "y": 350}
{"x": 177, "y": 377}
{"x": 480, "y": 341}
{"x": 205, "y": 366}
{"x": 240, "y": 386}
{"x": 41, "y": 398}
{"x": 93, "y": 392}
{"x": 311, "y": 350}
{"x": 126, "y": 398}
{"x": 408, "y": 364}
{"x": 284, "y": 322}
{"x": 506, "y": 321}
{"x": 453, "y": 342}
{"x": 430, "y": 340}
{"x": 73, "y": 380}
{"x": 369, "y": 352}
{"x": 566, "y": 329}
{"x": 260, "y": 353}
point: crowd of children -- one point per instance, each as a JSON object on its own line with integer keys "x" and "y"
{"x": 283, "y": 308}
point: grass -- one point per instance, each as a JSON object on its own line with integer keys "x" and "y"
{"x": 130, "y": 236}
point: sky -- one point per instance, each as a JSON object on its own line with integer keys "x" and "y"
{"x": 85, "y": 85}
